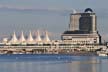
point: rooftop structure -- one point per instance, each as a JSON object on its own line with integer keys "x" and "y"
{"x": 22, "y": 38}
{"x": 14, "y": 38}
{"x": 46, "y": 38}
{"x": 30, "y": 38}
{"x": 38, "y": 38}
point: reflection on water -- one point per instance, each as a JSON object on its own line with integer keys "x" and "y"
{"x": 91, "y": 64}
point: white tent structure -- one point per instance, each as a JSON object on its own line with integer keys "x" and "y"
{"x": 30, "y": 38}
{"x": 22, "y": 38}
{"x": 38, "y": 38}
{"x": 46, "y": 38}
{"x": 14, "y": 38}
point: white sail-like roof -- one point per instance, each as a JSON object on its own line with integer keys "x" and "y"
{"x": 30, "y": 38}
{"x": 38, "y": 38}
{"x": 14, "y": 38}
{"x": 46, "y": 38}
{"x": 22, "y": 38}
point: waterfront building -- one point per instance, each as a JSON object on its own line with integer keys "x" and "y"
{"x": 82, "y": 35}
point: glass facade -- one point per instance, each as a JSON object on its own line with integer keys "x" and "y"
{"x": 85, "y": 23}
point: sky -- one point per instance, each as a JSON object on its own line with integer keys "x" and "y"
{"x": 50, "y": 15}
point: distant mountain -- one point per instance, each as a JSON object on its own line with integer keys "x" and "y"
{"x": 40, "y": 11}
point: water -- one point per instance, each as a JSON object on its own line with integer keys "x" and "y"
{"x": 52, "y": 63}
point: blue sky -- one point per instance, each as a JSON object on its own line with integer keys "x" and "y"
{"x": 52, "y": 15}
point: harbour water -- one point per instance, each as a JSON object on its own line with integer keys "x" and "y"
{"x": 52, "y": 63}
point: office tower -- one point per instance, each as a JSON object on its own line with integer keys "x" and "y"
{"x": 85, "y": 21}
{"x": 83, "y": 28}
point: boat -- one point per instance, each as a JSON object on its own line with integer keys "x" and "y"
{"x": 102, "y": 53}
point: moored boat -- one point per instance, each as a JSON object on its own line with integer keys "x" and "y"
{"x": 103, "y": 53}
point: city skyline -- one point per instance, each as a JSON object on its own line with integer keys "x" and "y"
{"x": 17, "y": 15}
